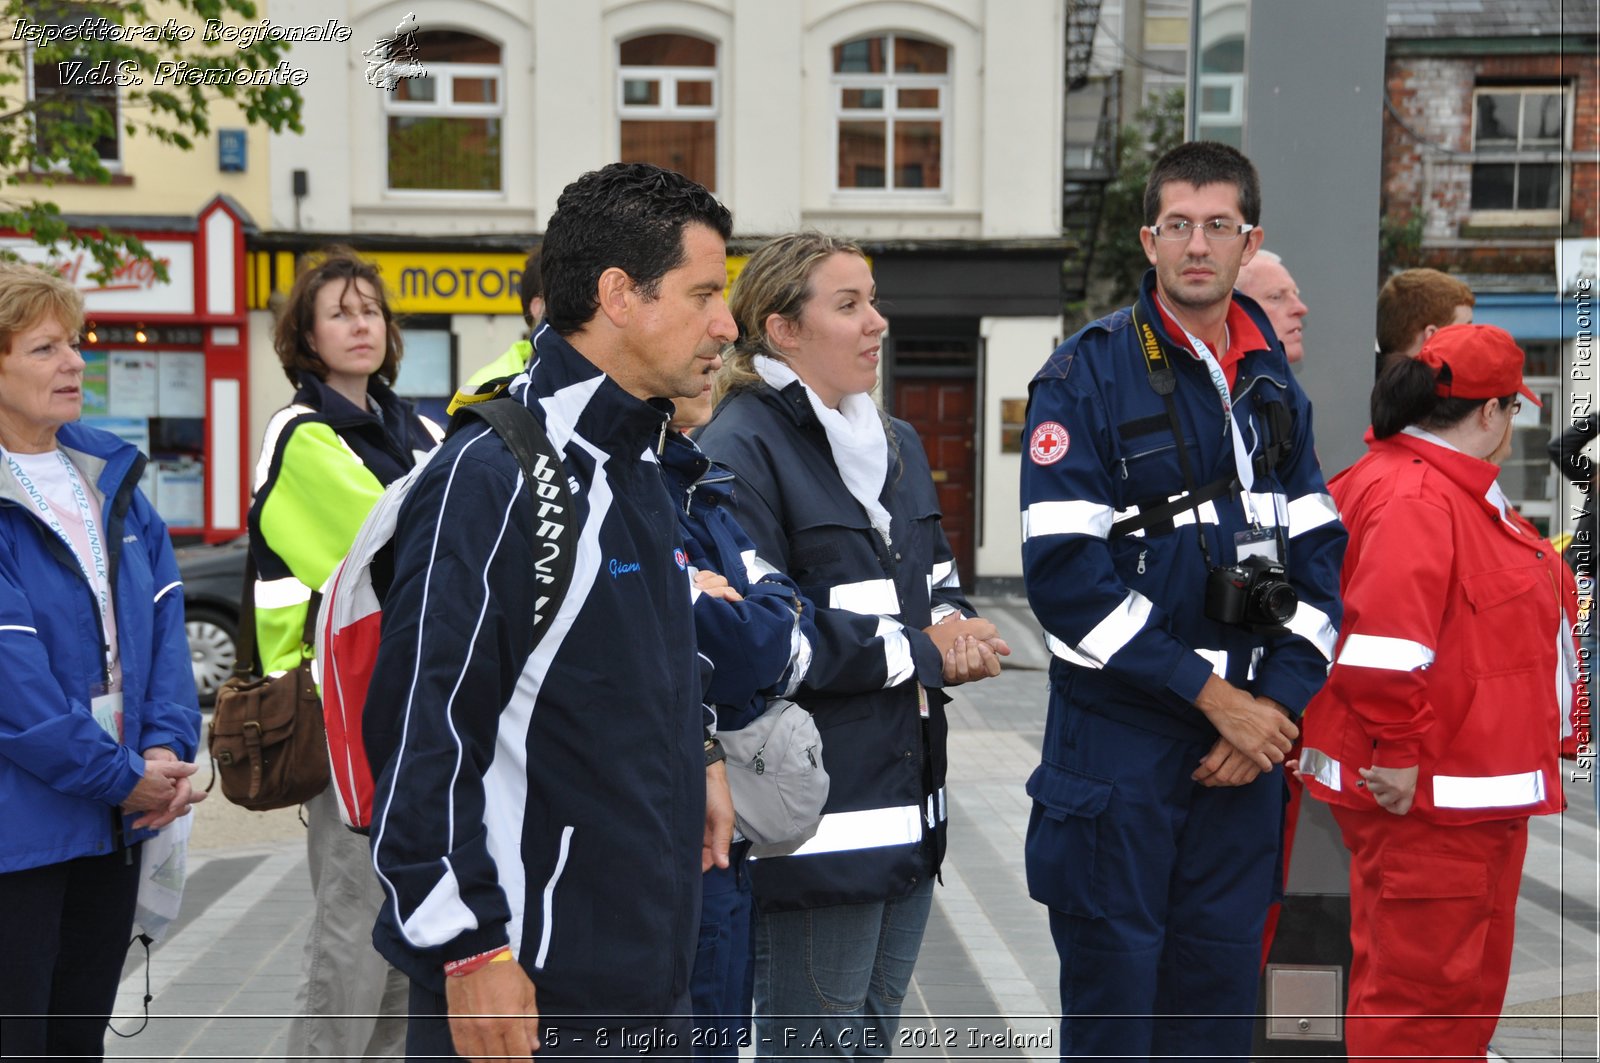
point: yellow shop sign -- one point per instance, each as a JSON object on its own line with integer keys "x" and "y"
{"x": 450, "y": 283}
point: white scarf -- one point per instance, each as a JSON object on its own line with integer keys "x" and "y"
{"x": 855, "y": 435}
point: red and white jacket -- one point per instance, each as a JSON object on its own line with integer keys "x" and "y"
{"x": 1456, "y": 653}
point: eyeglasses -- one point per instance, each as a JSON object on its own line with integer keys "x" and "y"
{"x": 1217, "y": 230}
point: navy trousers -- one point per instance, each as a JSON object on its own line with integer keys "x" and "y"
{"x": 1158, "y": 889}
{"x": 62, "y": 944}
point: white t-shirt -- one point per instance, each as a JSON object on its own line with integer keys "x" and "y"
{"x": 52, "y": 478}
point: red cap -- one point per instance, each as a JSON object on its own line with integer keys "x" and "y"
{"x": 1484, "y": 363}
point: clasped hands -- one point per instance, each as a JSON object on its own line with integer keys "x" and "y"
{"x": 971, "y": 648}
{"x": 164, "y": 793}
{"x": 1256, "y": 733}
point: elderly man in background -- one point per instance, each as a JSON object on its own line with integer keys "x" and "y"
{"x": 1266, "y": 280}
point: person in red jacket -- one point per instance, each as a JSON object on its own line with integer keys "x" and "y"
{"x": 1439, "y": 730}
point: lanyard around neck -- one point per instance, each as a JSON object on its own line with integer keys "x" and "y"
{"x": 1219, "y": 381}
{"x": 95, "y": 571}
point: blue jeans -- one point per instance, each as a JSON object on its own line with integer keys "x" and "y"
{"x": 830, "y": 981}
{"x": 720, "y": 986}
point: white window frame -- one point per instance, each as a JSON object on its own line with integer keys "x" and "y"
{"x": 1519, "y": 156}
{"x": 890, "y": 84}
{"x": 1233, "y": 117}
{"x": 113, "y": 165}
{"x": 443, "y": 105}
{"x": 669, "y": 109}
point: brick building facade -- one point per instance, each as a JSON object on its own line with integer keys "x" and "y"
{"x": 1491, "y": 171}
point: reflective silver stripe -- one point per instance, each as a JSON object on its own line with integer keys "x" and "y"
{"x": 1208, "y": 515}
{"x": 1067, "y": 653}
{"x": 1125, "y": 514}
{"x": 898, "y": 663}
{"x": 799, "y": 658}
{"x": 874, "y": 597}
{"x": 870, "y": 828}
{"x": 1255, "y": 659}
{"x": 694, "y": 591}
{"x": 942, "y": 611}
{"x": 269, "y": 439}
{"x": 1488, "y": 791}
{"x": 1067, "y": 518}
{"x": 756, "y": 569}
{"x": 549, "y": 898}
{"x": 1117, "y": 629}
{"x": 1313, "y": 625}
{"x": 19, "y": 627}
{"x": 945, "y": 575}
{"x": 944, "y": 813}
{"x": 1218, "y": 659}
{"x": 1380, "y": 651}
{"x": 1309, "y": 512}
{"x": 281, "y": 593}
{"x": 162, "y": 593}
{"x": 1321, "y": 767}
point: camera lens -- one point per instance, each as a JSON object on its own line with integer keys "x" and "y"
{"x": 1275, "y": 601}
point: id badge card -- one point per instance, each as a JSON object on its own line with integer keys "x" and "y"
{"x": 1256, "y": 542}
{"x": 107, "y": 709}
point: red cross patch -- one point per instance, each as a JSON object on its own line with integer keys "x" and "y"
{"x": 1049, "y": 443}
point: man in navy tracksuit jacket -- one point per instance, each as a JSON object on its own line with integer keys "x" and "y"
{"x": 1159, "y": 800}
{"x": 544, "y": 812}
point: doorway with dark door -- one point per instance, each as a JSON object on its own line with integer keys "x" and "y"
{"x": 935, "y": 388}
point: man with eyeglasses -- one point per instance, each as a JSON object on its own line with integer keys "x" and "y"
{"x": 1182, "y": 553}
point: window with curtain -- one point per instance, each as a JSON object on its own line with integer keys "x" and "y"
{"x": 891, "y": 99}
{"x": 445, "y": 123}
{"x": 667, "y": 104}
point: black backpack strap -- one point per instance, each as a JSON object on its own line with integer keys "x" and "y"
{"x": 557, "y": 529}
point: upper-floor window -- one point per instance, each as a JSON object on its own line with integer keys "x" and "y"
{"x": 445, "y": 123}
{"x": 61, "y": 98}
{"x": 892, "y": 98}
{"x": 1518, "y": 137}
{"x": 667, "y": 104}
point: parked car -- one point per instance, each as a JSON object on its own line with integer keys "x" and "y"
{"x": 213, "y": 578}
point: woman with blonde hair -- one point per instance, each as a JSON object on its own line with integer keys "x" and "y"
{"x": 98, "y": 724}
{"x": 841, "y": 499}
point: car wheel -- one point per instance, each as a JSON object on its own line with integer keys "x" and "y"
{"x": 213, "y": 647}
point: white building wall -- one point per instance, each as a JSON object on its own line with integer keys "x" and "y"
{"x": 1019, "y": 142}
{"x": 481, "y": 338}
{"x": 1014, "y": 348}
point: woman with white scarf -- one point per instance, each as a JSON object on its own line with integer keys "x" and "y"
{"x": 842, "y": 498}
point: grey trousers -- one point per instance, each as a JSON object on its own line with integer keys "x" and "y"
{"x": 351, "y": 1004}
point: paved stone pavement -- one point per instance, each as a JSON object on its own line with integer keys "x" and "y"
{"x": 985, "y": 985}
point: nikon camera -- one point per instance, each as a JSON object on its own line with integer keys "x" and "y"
{"x": 1252, "y": 593}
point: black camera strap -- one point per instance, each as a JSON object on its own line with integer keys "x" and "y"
{"x": 1164, "y": 381}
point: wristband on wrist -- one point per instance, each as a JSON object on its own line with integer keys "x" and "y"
{"x": 714, "y": 752}
{"x": 458, "y": 968}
